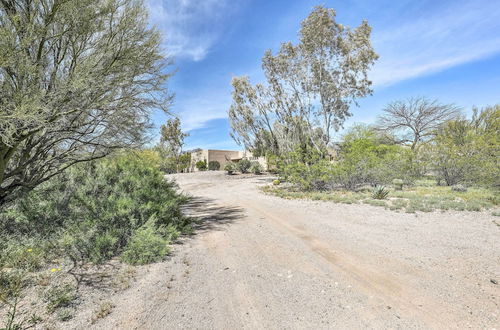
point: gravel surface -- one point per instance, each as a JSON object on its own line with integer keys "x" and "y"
{"x": 261, "y": 262}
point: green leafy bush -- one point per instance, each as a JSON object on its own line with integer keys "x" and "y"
{"x": 213, "y": 165}
{"x": 230, "y": 168}
{"x": 91, "y": 212}
{"x": 145, "y": 246}
{"x": 244, "y": 165}
{"x": 398, "y": 184}
{"x": 201, "y": 165}
{"x": 256, "y": 168}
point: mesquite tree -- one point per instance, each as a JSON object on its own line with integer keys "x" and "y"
{"x": 310, "y": 87}
{"x": 416, "y": 119}
{"x": 78, "y": 79}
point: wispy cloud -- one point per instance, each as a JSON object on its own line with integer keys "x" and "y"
{"x": 443, "y": 37}
{"x": 196, "y": 110}
{"x": 190, "y": 27}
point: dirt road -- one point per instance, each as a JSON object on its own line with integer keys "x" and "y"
{"x": 261, "y": 262}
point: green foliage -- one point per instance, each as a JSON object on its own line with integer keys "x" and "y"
{"x": 380, "y": 192}
{"x": 467, "y": 151}
{"x": 398, "y": 184}
{"x": 422, "y": 197}
{"x": 213, "y": 165}
{"x": 145, "y": 246}
{"x": 276, "y": 182}
{"x": 459, "y": 188}
{"x": 59, "y": 297}
{"x": 201, "y": 165}
{"x": 362, "y": 160}
{"x": 230, "y": 167}
{"x": 91, "y": 212}
{"x": 87, "y": 76}
{"x": 310, "y": 87}
{"x": 244, "y": 165}
{"x": 256, "y": 168}
{"x": 315, "y": 176}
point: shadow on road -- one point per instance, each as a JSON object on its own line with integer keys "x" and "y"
{"x": 208, "y": 215}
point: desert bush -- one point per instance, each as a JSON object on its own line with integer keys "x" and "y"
{"x": 459, "y": 188}
{"x": 467, "y": 151}
{"x": 230, "y": 168}
{"x": 145, "y": 246}
{"x": 244, "y": 165}
{"x": 59, "y": 297}
{"x": 398, "y": 184}
{"x": 256, "y": 168}
{"x": 276, "y": 182}
{"x": 91, "y": 211}
{"x": 201, "y": 165}
{"x": 213, "y": 165}
{"x": 380, "y": 192}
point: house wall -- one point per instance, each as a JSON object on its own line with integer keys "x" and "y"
{"x": 223, "y": 157}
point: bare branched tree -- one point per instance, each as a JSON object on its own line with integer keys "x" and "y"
{"x": 78, "y": 79}
{"x": 415, "y": 119}
{"x": 310, "y": 87}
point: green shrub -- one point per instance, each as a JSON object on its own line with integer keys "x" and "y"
{"x": 91, "y": 211}
{"x": 380, "y": 192}
{"x": 201, "y": 165}
{"x": 213, "y": 165}
{"x": 59, "y": 297}
{"x": 314, "y": 175}
{"x": 230, "y": 168}
{"x": 276, "y": 182}
{"x": 256, "y": 168}
{"x": 459, "y": 188}
{"x": 398, "y": 184}
{"x": 244, "y": 165}
{"x": 145, "y": 246}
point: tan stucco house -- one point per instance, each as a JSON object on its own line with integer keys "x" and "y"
{"x": 223, "y": 157}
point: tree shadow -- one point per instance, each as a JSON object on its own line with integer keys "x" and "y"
{"x": 208, "y": 215}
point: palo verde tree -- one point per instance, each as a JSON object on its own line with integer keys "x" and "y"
{"x": 310, "y": 87}
{"x": 171, "y": 143}
{"x": 78, "y": 79}
{"x": 416, "y": 119}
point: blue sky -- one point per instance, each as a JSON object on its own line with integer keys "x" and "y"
{"x": 448, "y": 49}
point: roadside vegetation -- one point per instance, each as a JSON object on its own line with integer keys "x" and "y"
{"x": 117, "y": 208}
{"x": 80, "y": 197}
{"x": 420, "y": 154}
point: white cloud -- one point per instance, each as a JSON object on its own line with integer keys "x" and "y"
{"x": 195, "y": 112}
{"x": 449, "y": 36}
{"x": 190, "y": 27}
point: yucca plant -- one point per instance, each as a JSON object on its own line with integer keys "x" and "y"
{"x": 380, "y": 192}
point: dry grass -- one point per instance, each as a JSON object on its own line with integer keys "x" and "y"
{"x": 102, "y": 311}
{"x": 424, "y": 196}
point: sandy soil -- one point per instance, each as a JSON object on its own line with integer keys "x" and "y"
{"x": 261, "y": 262}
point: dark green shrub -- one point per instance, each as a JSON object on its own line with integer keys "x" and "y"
{"x": 213, "y": 165}
{"x": 256, "y": 168}
{"x": 201, "y": 165}
{"x": 244, "y": 165}
{"x": 398, "y": 184}
{"x": 145, "y": 246}
{"x": 91, "y": 211}
{"x": 230, "y": 168}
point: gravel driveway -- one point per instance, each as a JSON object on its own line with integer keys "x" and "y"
{"x": 261, "y": 262}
